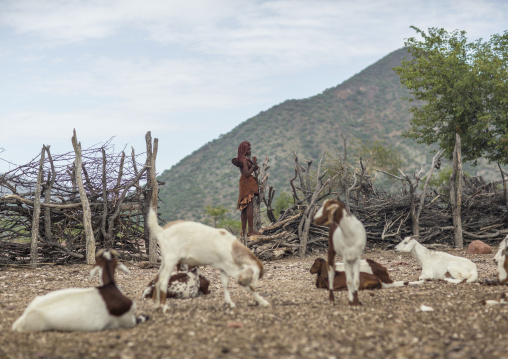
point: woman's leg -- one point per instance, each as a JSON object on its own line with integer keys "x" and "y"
{"x": 243, "y": 216}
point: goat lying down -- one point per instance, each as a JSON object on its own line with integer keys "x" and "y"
{"x": 439, "y": 265}
{"x": 192, "y": 243}
{"x": 183, "y": 284}
{"x": 82, "y": 309}
{"x": 373, "y": 275}
{"x": 501, "y": 258}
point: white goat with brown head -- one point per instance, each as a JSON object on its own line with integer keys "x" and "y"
{"x": 347, "y": 237}
{"x": 82, "y": 309}
{"x": 193, "y": 243}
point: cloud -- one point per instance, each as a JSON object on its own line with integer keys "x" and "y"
{"x": 124, "y": 66}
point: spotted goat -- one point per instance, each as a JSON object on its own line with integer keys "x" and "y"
{"x": 83, "y": 309}
{"x": 183, "y": 284}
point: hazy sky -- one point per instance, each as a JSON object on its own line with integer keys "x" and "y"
{"x": 190, "y": 70}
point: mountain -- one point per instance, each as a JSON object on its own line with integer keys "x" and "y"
{"x": 368, "y": 106}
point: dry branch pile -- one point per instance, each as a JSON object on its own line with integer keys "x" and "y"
{"x": 113, "y": 187}
{"x": 387, "y": 218}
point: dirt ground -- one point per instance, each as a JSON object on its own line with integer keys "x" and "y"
{"x": 299, "y": 324}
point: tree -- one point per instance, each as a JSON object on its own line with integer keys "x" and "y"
{"x": 378, "y": 155}
{"x": 284, "y": 201}
{"x": 217, "y": 213}
{"x": 458, "y": 87}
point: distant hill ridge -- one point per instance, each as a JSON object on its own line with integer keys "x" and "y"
{"x": 367, "y": 106}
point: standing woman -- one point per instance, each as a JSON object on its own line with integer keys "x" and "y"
{"x": 248, "y": 186}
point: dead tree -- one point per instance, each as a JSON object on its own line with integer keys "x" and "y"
{"x": 456, "y": 192}
{"x": 505, "y": 191}
{"x": 37, "y": 211}
{"x": 151, "y": 199}
{"x": 87, "y": 216}
{"x": 262, "y": 179}
{"x": 416, "y": 208}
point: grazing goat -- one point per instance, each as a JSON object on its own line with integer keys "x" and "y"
{"x": 194, "y": 243}
{"x": 347, "y": 237}
{"x": 439, "y": 265}
{"x": 373, "y": 275}
{"x": 182, "y": 285}
{"x": 82, "y": 309}
{"x": 502, "y": 262}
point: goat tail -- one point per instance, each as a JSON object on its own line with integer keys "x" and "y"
{"x": 153, "y": 223}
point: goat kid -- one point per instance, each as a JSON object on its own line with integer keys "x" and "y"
{"x": 82, "y": 309}
{"x": 347, "y": 237}
{"x": 439, "y": 265}
{"x": 182, "y": 285}
{"x": 193, "y": 243}
{"x": 373, "y": 275}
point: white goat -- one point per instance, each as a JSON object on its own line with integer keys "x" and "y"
{"x": 439, "y": 265}
{"x": 502, "y": 262}
{"x": 347, "y": 237}
{"x": 82, "y": 309}
{"x": 186, "y": 242}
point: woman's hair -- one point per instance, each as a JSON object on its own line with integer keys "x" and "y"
{"x": 242, "y": 151}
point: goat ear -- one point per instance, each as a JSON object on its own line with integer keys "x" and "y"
{"x": 123, "y": 268}
{"x": 331, "y": 212}
{"x": 94, "y": 271}
{"x": 114, "y": 252}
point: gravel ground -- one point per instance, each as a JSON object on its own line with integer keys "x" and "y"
{"x": 299, "y": 324}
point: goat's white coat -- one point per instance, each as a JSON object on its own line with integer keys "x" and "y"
{"x": 366, "y": 268}
{"x": 72, "y": 309}
{"x": 194, "y": 243}
{"x": 436, "y": 264}
{"x": 500, "y": 258}
{"x": 349, "y": 240}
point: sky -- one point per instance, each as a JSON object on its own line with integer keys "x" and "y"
{"x": 189, "y": 71}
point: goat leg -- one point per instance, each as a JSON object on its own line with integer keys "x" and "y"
{"x": 227, "y": 297}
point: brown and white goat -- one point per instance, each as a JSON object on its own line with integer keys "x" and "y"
{"x": 182, "y": 285}
{"x": 82, "y": 309}
{"x": 373, "y": 275}
{"x": 347, "y": 237}
{"x": 194, "y": 243}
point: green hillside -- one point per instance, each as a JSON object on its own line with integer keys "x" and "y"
{"x": 367, "y": 106}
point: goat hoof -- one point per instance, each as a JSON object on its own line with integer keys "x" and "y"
{"x": 264, "y": 304}
{"x": 142, "y": 318}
